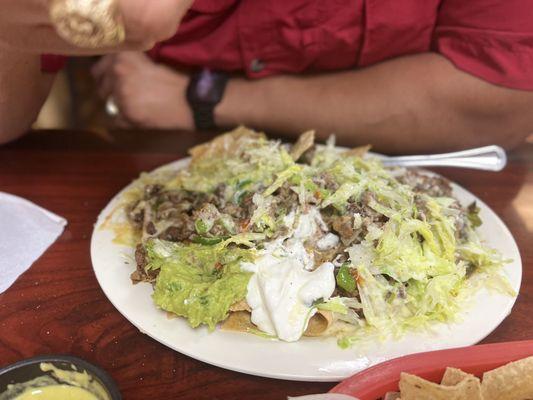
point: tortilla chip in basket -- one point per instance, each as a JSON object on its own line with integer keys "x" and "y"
{"x": 453, "y": 376}
{"x": 513, "y": 381}
{"x": 415, "y": 388}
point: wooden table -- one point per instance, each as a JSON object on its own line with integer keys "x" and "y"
{"x": 58, "y": 307}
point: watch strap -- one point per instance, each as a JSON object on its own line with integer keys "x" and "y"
{"x": 203, "y": 115}
{"x": 204, "y": 92}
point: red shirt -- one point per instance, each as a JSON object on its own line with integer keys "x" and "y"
{"x": 491, "y": 39}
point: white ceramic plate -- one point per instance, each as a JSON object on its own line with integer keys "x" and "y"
{"x": 309, "y": 359}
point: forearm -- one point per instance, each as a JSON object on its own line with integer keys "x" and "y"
{"x": 23, "y": 90}
{"x": 411, "y": 104}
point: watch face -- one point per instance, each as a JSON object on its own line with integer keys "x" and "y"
{"x": 209, "y": 87}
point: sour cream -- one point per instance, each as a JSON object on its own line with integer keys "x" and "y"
{"x": 329, "y": 241}
{"x": 285, "y": 283}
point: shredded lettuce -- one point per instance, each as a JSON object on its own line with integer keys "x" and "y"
{"x": 262, "y": 217}
{"x": 282, "y": 177}
{"x": 244, "y": 239}
{"x": 238, "y": 157}
{"x": 341, "y": 196}
{"x": 415, "y": 260}
{"x": 334, "y": 304}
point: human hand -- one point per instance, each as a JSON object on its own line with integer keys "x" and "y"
{"x": 25, "y": 26}
{"x": 146, "y": 94}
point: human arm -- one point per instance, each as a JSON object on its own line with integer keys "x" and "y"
{"x": 23, "y": 90}
{"x": 146, "y": 94}
{"x": 419, "y": 103}
{"x": 25, "y": 32}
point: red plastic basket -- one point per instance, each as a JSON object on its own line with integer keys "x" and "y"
{"x": 374, "y": 382}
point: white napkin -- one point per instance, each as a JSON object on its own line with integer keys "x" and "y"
{"x": 26, "y": 231}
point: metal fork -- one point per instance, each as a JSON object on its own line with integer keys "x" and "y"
{"x": 488, "y": 158}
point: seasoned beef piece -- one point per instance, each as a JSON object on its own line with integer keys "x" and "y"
{"x": 368, "y": 214}
{"x": 349, "y": 229}
{"x": 207, "y": 211}
{"x": 140, "y": 256}
{"x": 234, "y": 210}
{"x": 168, "y": 210}
{"x": 247, "y": 204}
{"x": 140, "y": 274}
{"x": 199, "y": 199}
{"x": 435, "y": 186}
{"x": 220, "y": 195}
{"x": 421, "y": 207}
{"x": 136, "y": 213}
{"x": 182, "y": 229}
{"x": 151, "y": 190}
{"x": 148, "y": 225}
{"x": 218, "y": 230}
{"x": 175, "y": 196}
{"x": 172, "y": 234}
{"x": 220, "y": 190}
{"x": 285, "y": 199}
{"x": 343, "y": 225}
{"x": 326, "y": 181}
{"x": 150, "y": 228}
{"x": 460, "y": 221}
{"x": 327, "y": 255}
{"x": 242, "y": 211}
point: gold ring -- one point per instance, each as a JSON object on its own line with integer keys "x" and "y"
{"x": 88, "y": 23}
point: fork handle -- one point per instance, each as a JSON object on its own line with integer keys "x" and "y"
{"x": 489, "y": 158}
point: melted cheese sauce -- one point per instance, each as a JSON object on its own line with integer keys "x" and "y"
{"x": 57, "y": 392}
{"x": 285, "y": 284}
{"x": 60, "y": 384}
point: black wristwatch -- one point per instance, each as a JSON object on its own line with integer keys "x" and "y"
{"x": 204, "y": 92}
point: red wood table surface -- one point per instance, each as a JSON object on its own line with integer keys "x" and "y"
{"x": 58, "y": 307}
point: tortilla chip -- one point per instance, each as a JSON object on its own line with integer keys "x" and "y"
{"x": 240, "y": 321}
{"x": 513, "y": 381}
{"x": 240, "y": 306}
{"x": 223, "y": 144}
{"x": 304, "y": 143}
{"x": 171, "y": 315}
{"x": 453, "y": 376}
{"x": 392, "y": 396}
{"x": 319, "y": 323}
{"x": 414, "y": 388}
{"x": 359, "y": 151}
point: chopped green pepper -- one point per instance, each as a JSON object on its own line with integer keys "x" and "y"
{"x": 473, "y": 215}
{"x": 200, "y": 226}
{"x": 242, "y": 184}
{"x": 208, "y": 241}
{"x": 345, "y": 279}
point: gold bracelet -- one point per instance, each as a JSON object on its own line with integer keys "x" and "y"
{"x": 88, "y": 23}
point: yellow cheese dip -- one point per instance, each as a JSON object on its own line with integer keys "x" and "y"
{"x": 56, "y": 392}
{"x": 58, "y": 384}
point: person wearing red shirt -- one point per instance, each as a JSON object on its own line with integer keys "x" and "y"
{"x": 404, "y": 75}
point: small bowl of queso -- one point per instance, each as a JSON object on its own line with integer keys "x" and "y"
{"x": 56, "y": 378}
